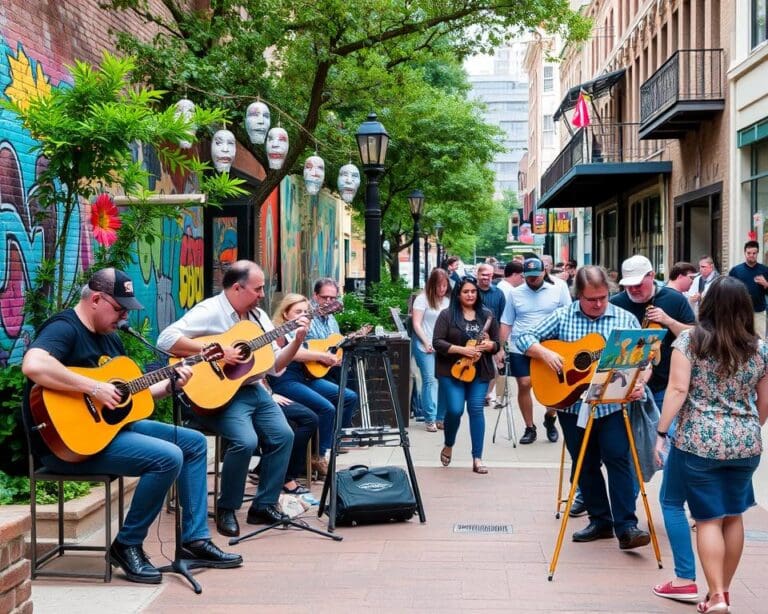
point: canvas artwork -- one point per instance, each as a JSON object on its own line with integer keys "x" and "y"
{"x": 626, "y": 353}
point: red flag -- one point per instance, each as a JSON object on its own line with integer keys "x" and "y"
{"x": 581, "y": 112}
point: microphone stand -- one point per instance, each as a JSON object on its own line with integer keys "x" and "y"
{"x": 178, "y": 564}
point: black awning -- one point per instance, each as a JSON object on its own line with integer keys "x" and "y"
{"x": 595, "y": 88}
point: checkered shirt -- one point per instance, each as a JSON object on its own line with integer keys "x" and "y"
{"x": 570, "y": 324}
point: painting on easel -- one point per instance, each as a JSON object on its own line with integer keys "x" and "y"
{"x": 626, "y": 353}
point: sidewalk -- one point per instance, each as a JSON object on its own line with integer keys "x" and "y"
{"x": 410, "y": 567}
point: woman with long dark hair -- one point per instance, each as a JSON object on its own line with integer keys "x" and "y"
{"x": 466, "y": 332}
{"x": 718, "y": 389}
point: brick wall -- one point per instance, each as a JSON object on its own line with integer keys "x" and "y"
{"x": 15, "y": 583}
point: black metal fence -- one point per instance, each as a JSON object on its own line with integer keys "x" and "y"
{"x": 688, "y": 75}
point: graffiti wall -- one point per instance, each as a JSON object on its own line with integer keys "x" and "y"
{"x": 168, "y": 274}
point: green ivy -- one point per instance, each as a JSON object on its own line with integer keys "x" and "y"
{"x": 15, "y": 490}
{"x": 384, "y": 295}
{"x": 11, "y": 435}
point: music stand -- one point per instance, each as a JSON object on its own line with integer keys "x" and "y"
{"x": 612, "y": 382}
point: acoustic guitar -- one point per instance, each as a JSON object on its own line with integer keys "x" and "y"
{"x": 580, "y": 358}
{"x": 75, "y": 426}
{"x": 215, "y": 383}
{"x": 464, "y": 368}
{"x": 331, "y": 344}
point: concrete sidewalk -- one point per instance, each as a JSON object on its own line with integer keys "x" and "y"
{"x": 413, "y": 567}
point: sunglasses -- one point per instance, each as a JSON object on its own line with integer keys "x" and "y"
{"x": 469, "y": 278}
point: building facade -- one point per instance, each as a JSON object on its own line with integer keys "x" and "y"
{"x": 651, "y": 166}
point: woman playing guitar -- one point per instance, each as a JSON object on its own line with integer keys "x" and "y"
{"x": 466, "y": 329}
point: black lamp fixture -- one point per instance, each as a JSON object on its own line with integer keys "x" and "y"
{"x": 372, "y": 141}
{"x": 439, "y": 235}
{"x": 416, "y": 202}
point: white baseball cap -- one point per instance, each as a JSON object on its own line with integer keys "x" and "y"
{"x": 634, "y": 269}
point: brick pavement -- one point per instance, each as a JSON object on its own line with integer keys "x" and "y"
{"x": 410, "y": 567}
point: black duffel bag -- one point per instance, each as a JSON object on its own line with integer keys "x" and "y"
{"x": 378, "y": 494}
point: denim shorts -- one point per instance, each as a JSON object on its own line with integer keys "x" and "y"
{"x": 518, "y": 365}
{"x": 716, "y": 488}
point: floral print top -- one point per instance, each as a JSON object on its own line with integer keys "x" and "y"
{"x": 719, "y": 417}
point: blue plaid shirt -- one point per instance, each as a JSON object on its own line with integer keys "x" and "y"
{"x": 570, "y": 324}
{"x": 322, "y": 327}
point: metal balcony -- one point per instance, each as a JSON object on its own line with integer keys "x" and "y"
{"x": 599, "y": 162}
{"x": 687, "y": 90}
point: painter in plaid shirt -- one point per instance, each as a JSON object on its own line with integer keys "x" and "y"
{"x": 608, "y": 442}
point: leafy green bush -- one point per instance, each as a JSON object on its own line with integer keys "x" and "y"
{"x": 11, "y": 434}
{"x": 15, "y": 490}
{"x": 384, "y": 295}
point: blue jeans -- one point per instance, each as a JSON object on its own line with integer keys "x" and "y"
{"x": 608, "y": 444}
{"x": 319, "y": 395}
{"x": 250, "y": 419}
{"x": 157, "y": 453}
{"x": 672, "y": 498}
{"x": 303, "y": 421}
{"x": 456, "y": 394}
{"x": 426, "y": 364}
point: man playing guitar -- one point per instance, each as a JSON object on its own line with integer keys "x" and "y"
{"x": 608, "y": 443}
{"x": 80, "y": 337}
{"x": 251, "y": 418}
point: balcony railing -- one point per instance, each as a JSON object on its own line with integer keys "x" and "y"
{"x": 600, "y": 144}
{"x": 688, "y": 75}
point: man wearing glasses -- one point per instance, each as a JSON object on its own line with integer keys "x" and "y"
{"x": 251, "y": 418}
{"x": 156, "y": 452}
{"x": 608, "y": 444}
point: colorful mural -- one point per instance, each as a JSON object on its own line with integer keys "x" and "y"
{"x": 168, "y": 274}
{"x": 269, "y": 231}
{"x": 290, "y": 229}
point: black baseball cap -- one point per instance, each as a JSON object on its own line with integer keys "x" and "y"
{"x": 118, "y": 285}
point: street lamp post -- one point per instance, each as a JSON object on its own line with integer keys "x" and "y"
{"x": 372, "y": 141}
{"x": 426, "y": 259}
{"x": 439, "y": 235}
{"x": 416, "y": 202}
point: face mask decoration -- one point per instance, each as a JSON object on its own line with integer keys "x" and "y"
{"x": 186, "y": 108}
{"x": 349, "y": 182}
{"x": 257, "y": 119}
{"x": 314, "y": 174}
{"x": 223, "y": 150}
{"x": 277, "y": 147}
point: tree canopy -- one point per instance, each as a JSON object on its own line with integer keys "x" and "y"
{"x": 322, "y": 66}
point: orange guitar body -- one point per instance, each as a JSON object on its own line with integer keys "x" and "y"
{"x": 78, "y": 426}
{"x": 330, "y": 344}
{"x": 580, "y": 358}
{"x": 464, "y": 368}
{"x": 213, "y": 384}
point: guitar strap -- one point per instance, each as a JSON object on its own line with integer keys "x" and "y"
{"x": 255, "y": 315}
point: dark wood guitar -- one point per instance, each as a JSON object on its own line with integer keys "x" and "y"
{"x": 580, "y": 358}
{"x": 215, "y": 383}
{"x": 75, "y": 426}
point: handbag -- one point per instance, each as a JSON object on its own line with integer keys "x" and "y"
{"x": 373, "y": 495}
{"x": 644, "y": 419}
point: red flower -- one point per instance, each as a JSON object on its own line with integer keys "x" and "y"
{"x": 105, "y": 220}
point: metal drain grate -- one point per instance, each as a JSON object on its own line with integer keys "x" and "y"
{"x": 482, "y": 529}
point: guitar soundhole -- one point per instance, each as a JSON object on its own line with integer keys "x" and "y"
{"x": 121, "y": 411}
{"x": 243, "y": 349}
{"x": 582, "y": 361}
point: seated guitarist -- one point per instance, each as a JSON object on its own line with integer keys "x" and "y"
{"x": 251, "y": 418}
{"x": 321, "y": 395}
{"x": 608, "y": 442}
{"x": 79, "y": 337}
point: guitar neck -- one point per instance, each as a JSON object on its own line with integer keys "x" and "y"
{"x": 153, "y": 377}
{"x": 272, "y": 335}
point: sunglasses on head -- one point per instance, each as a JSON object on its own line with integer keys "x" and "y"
{"x": 469, "y": 278}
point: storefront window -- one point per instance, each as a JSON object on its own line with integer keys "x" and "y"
{"x": 646, "y": 230}
{"x": 758, "y": 194}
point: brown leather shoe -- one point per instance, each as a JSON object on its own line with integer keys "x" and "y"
{"x": 320, "y": 465}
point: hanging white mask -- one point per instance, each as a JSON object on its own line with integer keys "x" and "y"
{"x": 349, "y": 182}
{"x": 314, "y": 174}
{"x": 223, "y": 149}
{"x": 186, "y": 109}
{"x": 277, "y": 147}
{"x": 257, "y": 119}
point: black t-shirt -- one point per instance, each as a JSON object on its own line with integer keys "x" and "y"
{"x": 67, "y": 339}
{"x": 676, "y": 306}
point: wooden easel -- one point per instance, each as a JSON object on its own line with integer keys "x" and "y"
{"x": 579, "y": 462}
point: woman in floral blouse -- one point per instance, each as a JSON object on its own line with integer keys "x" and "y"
{"x": 719, "y": 387}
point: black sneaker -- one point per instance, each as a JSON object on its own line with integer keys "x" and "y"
{"x": 549, "y": 424}
{"x": 577, "y": 509}
{"x": 134, "y": 563}
{"x": 529, "y": 436}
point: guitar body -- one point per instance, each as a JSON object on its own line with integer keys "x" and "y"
{"x": 464, "y": 368}
{"x": 213, "y": 384}
{"x": 580, "y": 358}
{"x": 329, "y": 344}
{"x": 78, "y": 426}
